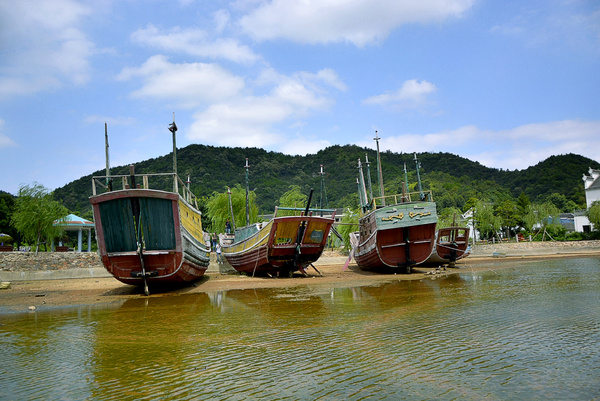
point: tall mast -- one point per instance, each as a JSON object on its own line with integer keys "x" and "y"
{"x": 247, "y": 193}
{"x": 369, "y": 176}
{"x": 189, "y": 183}
{"x": 322, "y": 174}
{"x": 108, "y": 182}
{"x": 418, "y": 177}
{"x": 405, "y": 186}
{"x": 379, "y": 171}
{"x": 173, "y": 129}
{"x": 106, "y": 149}
{"x": 362, "y": 191}
{"x": 231, "y": 209}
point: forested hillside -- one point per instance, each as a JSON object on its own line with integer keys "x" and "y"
{"x": 453, "y": 179}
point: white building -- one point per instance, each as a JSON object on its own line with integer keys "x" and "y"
{"x": 592, "y": 186}
{"x": 592, "y": 193}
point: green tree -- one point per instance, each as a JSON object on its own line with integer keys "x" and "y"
{"x": 349, "y": 225}
{"x": 507, "y": 212}
{"x": 292, "y": 198}
{"x": 470, "y": 203}
{"x": 523, "y": 204}
{"x": 540, "y": 215}
{"x": 486, "y": 221}
{"x": 35, "y": 214}
{"x": 449, "y": 216}
{"x": 593, "y": 214}
{"x": 562, "y": 203}
{"x": 219, "y": 209}
{"x": 7, "y": 207}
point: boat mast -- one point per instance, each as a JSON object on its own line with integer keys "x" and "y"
{"x": 360, "y": 200}
{"x": 231, "y": 209}
{"x": 188, "y": 192}
{"x": 322, "y": 174}
{"x": 379, "y": 171}
{"x": 108, "y": 180}
{"x": 369, "y": 175}
{"x": 405, "y": 185}
{"x": 173, "y": 129}
{"x": 247, "y": 191}
{"x": 362, "y": 191}
{"x": 418, "y": 177}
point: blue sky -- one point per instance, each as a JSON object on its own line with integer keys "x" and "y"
{"x": 504, "y": 83}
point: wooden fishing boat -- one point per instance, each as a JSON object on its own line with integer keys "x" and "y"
{"x": 281, "y": 246}
{"x": 148, "y": 236}
{"x": 451, "y": 244}
{"x": 397, "y": 231}
{"x": 394, "y": 237}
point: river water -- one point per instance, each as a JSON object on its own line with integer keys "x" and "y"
{"x": 531, "y": 331}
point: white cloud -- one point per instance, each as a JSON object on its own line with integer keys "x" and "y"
{"x": 43, "y": 46}
{"x": 194, "y": 42}
{"x": 360, "y": 22}
{"x": 253, "y": 120}
{"x": 5, "y": 141}
{"x": 221, "y": 19}
{"x": 188, "y": 84}
{"x": 515, "y": 148}
{"x": 303, "y": 146}
{"x": 326, "y": 76}
{"x": 412, "y": 93}
{"x": 573, "y": 25}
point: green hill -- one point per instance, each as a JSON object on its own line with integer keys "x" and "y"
{"x": 453, "y": 179}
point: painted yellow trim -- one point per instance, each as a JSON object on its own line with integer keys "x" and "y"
{"x": 191, "y": 220}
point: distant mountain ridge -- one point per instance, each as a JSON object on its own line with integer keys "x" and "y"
{"x": 453, "y": 179}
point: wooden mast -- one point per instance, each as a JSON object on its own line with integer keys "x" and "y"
{"x": 247, "y": 194}
{"x": 173, "y": 129}
{"x": 369, "y": 184}
{"x": 231, "y": 210}
{"x": 421, "y": 196}
{"x": 379, "y": 171}
{"x": 108, "y": 180}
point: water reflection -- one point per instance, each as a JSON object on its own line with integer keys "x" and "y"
{"x": 528, "y": 332}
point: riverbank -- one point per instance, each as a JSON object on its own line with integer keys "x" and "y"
{"x": 55, "y": 288}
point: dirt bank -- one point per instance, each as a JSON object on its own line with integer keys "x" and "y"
{"x": 23, "y": 296}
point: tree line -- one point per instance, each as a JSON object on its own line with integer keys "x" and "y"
{"x": 458, "y": 184}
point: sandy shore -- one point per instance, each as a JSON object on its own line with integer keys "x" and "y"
{"x": 24, "y": 296}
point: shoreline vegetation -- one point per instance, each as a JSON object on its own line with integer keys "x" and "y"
{"x": 46, "y": 294}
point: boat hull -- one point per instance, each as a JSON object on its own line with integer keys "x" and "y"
{"x": 274, "y": 249}
{"x": 174, "y": 250}
{"x": 451, "y": 244}
{"x": 394, "y": 238}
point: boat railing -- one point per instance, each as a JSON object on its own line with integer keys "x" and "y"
{"x": 424, "y": 196}
{"x": 300, "y": 211}
{"x": 121, "y": 182}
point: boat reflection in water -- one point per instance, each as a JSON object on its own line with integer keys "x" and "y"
{"x": 471, "y": 335}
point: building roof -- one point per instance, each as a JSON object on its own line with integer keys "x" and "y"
{"x": 595, "y": 184}
{"x": 73, "y": 222}
{"x": 593, "y": 180}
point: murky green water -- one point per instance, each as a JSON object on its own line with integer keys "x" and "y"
{"x": 529, "y": 332}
